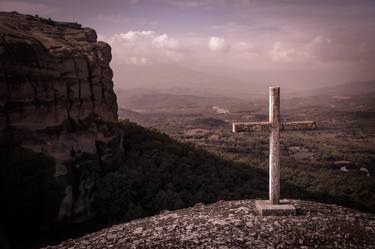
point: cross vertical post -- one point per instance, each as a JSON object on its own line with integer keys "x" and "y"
{"x": 274, "y": 161}
{"x": 274, "y": 206}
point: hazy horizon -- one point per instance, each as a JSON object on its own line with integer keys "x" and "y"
{"x": 238, "y": 45}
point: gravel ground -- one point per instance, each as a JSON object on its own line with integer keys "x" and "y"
{"x": 234, "y": 224}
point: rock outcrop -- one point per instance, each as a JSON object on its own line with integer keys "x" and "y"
{"x": 235, "y": 224}
{"x": 56, "y": 97}
{"x": 52, "y": 71}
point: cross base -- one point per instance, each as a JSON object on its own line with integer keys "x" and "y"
{"x": 265, "y": 208}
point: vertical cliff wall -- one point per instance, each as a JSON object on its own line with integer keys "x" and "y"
{"x": 56, "y": 97}
{"x": 52, "y": 71}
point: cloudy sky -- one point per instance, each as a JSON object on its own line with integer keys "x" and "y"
{"x": 226, "y": 43}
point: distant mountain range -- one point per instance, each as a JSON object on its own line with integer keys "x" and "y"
{"x": 178, "y": 97}
{"x": 174, "y": 98}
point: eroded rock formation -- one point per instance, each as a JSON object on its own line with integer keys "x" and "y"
{"x": 52, "y": 71}
{"x": 56, "y": 97}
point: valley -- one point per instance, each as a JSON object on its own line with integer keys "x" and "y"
{"x": 335, "y": 162}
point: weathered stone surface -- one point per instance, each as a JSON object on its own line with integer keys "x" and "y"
{"x": 56, "y": 97}
{"x": 266, "y": 126}
{"x": 52, "y": 71}
{"x": 274, "y": 126}
{"x": 235, "y": 224}
{"x": 274, "y": 157}
{"x": 284, "y": 207}
{"x": 251, "y": 127}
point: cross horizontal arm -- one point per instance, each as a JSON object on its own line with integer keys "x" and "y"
{"x": 266, "y": 126}
{"x": 251, "y": 126}
{"x": 302, "y": 125}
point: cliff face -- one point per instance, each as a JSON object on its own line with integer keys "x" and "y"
{"x": 51, "y": 72}
{"x": 56, "y": 97}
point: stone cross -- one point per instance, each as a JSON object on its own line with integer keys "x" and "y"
{"x": 274, "y": 126}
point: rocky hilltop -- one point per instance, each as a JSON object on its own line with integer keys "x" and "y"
{"x": 56, "y": 97}
{"x": 235, "y": 224}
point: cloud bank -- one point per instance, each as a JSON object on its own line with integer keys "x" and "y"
{"x": 178, "y": 41}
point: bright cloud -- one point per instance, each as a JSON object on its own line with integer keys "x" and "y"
{"x": 162, "y": 41}
{"x": 144, "y": 47}
{"x": 218, "y": 44}
{"x": 134, "y": 36}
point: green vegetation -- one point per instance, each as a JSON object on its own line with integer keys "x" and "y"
{"x": 312, "y": 163}
{"x": 160, "y": 173}
{"x": 325, "y": 185}
{"x": 30, "y": 195}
